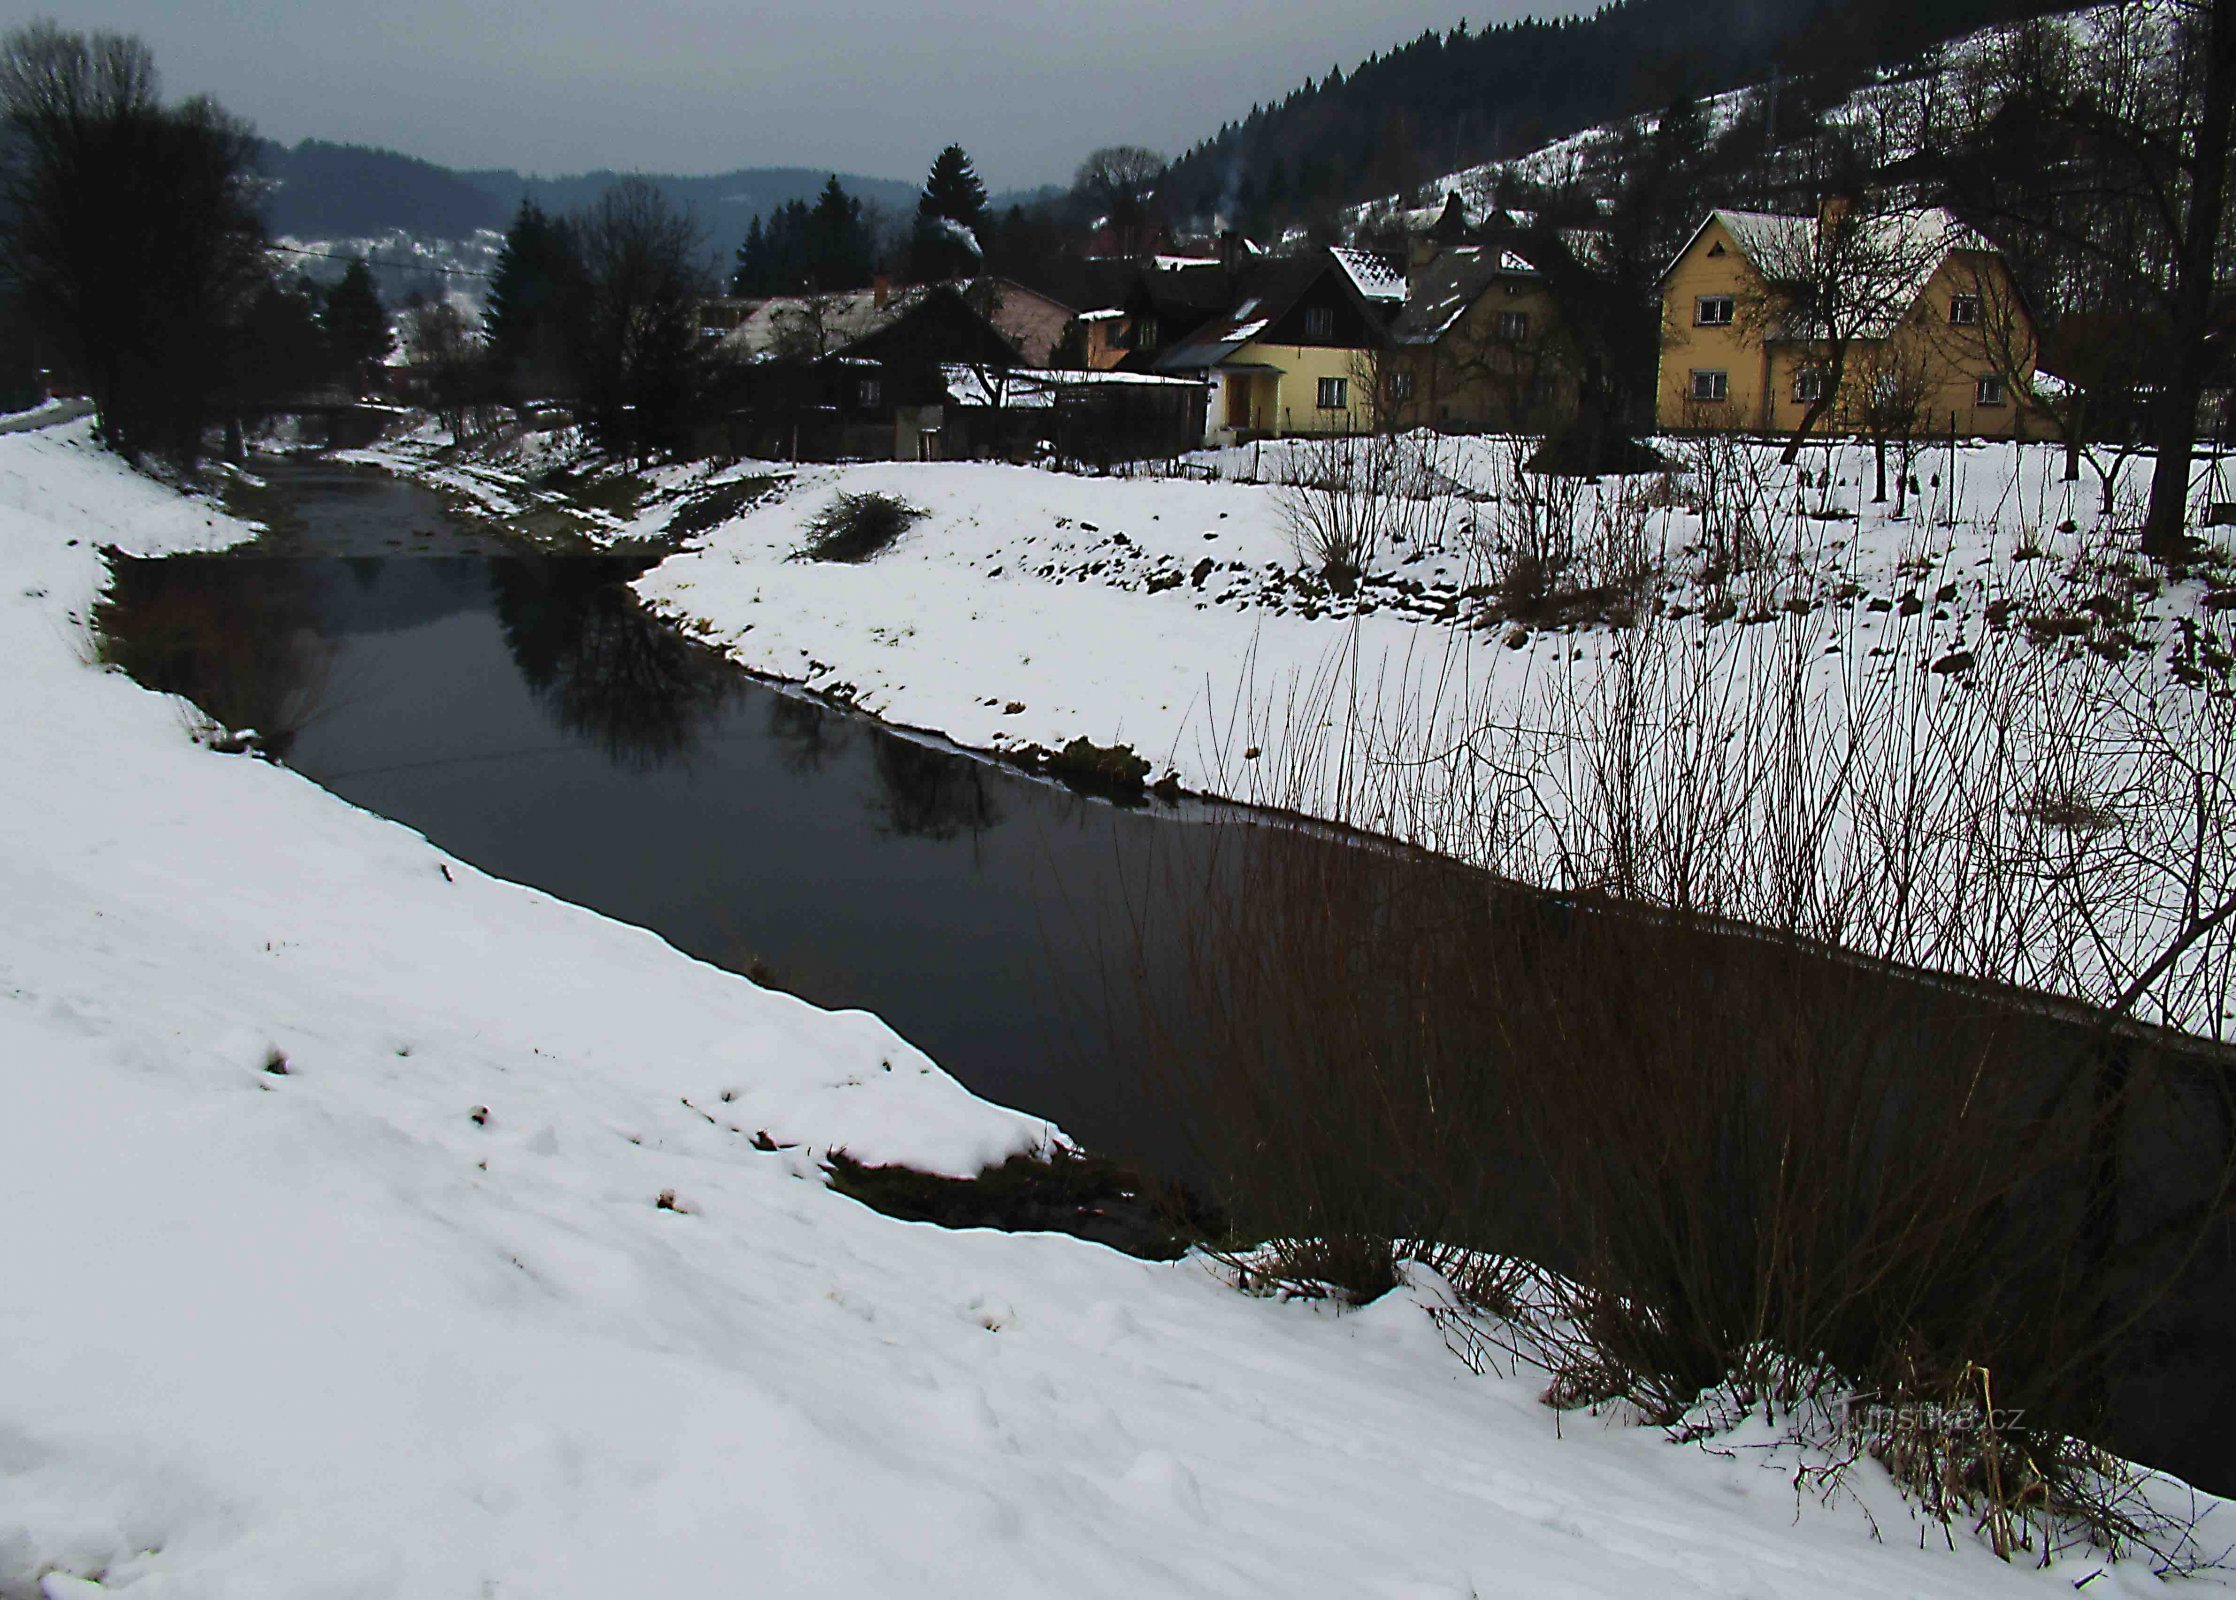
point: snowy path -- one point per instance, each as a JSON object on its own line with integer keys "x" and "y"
{"x": 326, "y": 1332}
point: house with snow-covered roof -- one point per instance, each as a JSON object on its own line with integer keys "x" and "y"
{"x": 1479, "y": 345}
{"x": 1771, "y": 322}
{"x": 1299, "y": 351}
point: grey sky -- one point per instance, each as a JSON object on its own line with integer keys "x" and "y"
{"x": 873, "y": 86}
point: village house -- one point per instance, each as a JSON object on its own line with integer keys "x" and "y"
{"x": 1919, "y": 315}
{"x": 1303, "y": 352}
{"x": 1478, "y": 345}
{"x": 859, "y": 375}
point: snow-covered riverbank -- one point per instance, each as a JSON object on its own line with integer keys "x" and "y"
{"x": 331, "y": 1170}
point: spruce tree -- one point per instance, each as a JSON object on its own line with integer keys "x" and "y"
{"x": 357, "y": 323}
{"x": 529, "y": 298}
{"x": 749, "y": 273}
{"x": 949, "y": 216}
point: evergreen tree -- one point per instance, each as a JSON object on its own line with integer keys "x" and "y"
{"x": 749, "y": 271}
{"x": 950, "y": 215}
{"x": 529, "y": 299}
{"x": 839, "y": 253}
{"x": 357, "y": 323}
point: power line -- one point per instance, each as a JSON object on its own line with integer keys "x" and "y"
{"x": 371, "y": 260}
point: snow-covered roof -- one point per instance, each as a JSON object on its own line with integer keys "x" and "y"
{"x": 1896, "y": 256}
{"x": 1448, "y": 285}
{"x": 1101, "y": 314}
{"x": 1036, "y": 388}
{"x": 1375, "y": 278}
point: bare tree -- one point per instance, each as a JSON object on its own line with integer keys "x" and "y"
{"x": 1118, "y": 183}
{"x": 635, "y": 341}
{"x": 2102, "y": 146}
{"x": 1827, "y": 286}
{"x": 130, "y": 228}
{"x": 1890, "y": 408}
{"x": 447, "y": 365}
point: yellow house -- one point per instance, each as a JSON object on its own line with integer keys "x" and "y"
{"x": 1915, "y": 316}
{"x": 1304, "y": 352}
{"x": 1480, "y": 345}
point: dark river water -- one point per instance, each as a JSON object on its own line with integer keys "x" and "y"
{"x": 525, "y": 715}
{"x": 522, "y": 712}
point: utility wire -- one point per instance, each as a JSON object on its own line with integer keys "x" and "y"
{"x": 372, "y": 260}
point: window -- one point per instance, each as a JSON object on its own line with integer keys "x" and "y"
{"x": 870, "y": 391}
{"x": 1401, "y": 386}
{"x": 1513, "y": 326}
{"x": 1988, "y": 391}
{"x": 1809, "y": 386}
{"x": 1334, "y": 394}
{"x": 1319, "y": 322}
{"x": 1148, "y": 336}
{"x": 1964, "y": 311}
{"x": 1711, "y": 386}
{"x": 1712, "y": 311}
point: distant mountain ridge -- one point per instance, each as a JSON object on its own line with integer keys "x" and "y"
{"x": 319, "y": 190}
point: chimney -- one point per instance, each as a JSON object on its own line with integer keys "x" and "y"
{"x": 881, "y": 287}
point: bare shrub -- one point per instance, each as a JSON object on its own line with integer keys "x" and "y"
{"x": 1348, "y": 500}
{"x": 855, "y": 527}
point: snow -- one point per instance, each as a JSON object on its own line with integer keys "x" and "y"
{"x": 1168, "y": 614}
{"x": 327, "y": 1332}
{"x": 1374, "y": 278}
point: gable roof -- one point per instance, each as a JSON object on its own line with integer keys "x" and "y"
{"x": 1451, "y": 283}
{"x": 1913, "y": 245}
{"x": 850, "y": 316}
{"x": 1374, "y": 278}
{"x": 1273, "y": 290}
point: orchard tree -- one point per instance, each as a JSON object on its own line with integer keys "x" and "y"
{"x": 950, "y": 219}
{"x": 128, "y": 230}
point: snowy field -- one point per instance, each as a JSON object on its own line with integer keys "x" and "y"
{"x": 332, "y": 1176}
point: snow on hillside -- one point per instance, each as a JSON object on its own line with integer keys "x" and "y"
{"x": 1883, "y": 112}
{"x": 404, "y": 265}
{"x": 330, "y": 1174}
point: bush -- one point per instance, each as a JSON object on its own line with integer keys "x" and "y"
{"x": 855, "y": 527}
{"x": 1751, "y": 1166}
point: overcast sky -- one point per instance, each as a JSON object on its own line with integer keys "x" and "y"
{"x": 872, "y": 86}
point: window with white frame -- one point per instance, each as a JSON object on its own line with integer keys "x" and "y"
{"x": 1513, "y": 326}
{"x": 1401, "y": 385}
{"x": 1809, "y": 386}
{"x": 870, "y": 391}
{"x": 1319, "y": 322}
{"x": 1713, "y": 311}
{"x": 1964, "y": 311}
{"x": 1335, "y": 394}
{"x": 1711, "y": 385}
{"x": 1988, "y": 391}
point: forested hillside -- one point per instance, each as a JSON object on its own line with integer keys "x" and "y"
{"x": 317, "y": 190}
{"x": 1450, "y": 100}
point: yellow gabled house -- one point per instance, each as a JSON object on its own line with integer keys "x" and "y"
{"x": 1917, "y": 315}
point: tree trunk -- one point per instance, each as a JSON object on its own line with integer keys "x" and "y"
{"x": 1879, "y": 451}
{"x": 2176, "y": 423}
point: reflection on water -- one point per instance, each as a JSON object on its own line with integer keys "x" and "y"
{"x": 642, "y": 692}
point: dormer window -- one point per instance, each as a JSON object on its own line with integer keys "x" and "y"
{"x": 1713, "y": 311}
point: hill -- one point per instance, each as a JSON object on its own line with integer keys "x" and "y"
{"x": 1457, "y": 99}
{"x": 322, "y": 191}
